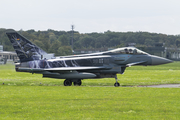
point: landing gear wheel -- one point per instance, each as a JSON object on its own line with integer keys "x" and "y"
{"x": 67, "y": 83}
{"x": 77, "y": 83}
{"x": 116, "y": 84}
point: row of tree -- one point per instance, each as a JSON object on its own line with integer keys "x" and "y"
{"x": 59, "y": 42}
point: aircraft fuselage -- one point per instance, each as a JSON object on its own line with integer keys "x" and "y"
{"x": 74, "y": 68}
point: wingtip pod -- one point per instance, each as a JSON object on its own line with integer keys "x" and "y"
{"x": 25, "y": 50}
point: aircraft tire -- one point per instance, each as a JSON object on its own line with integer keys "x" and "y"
{"x": 116, "y": 84}
{"x": 77, "y": 83}
{"x": 67, "y": 83}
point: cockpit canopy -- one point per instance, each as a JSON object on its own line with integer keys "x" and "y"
{"x": 127, "y": 50}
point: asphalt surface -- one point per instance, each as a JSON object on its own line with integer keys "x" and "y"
{"x": 163, "y": 86}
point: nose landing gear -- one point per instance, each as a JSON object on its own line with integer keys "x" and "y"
{"x": 116, "y": 84}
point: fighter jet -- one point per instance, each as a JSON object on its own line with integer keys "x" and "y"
{"x": 75, "y": 68}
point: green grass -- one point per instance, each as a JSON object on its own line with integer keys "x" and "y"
{"x": 23, "y": 97}
{"x": 54, "y": 102}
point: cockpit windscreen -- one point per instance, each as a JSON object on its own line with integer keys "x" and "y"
{"x": 128, "y": 50}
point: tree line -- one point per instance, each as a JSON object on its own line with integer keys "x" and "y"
{"x": 59, "y": 42}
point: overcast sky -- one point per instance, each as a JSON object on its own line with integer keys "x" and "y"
{"x": 158, "y": 16}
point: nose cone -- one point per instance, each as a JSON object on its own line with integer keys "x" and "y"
{"x": 159, "y": 60}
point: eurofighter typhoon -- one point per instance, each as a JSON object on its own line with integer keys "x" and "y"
{"x": 76, "y": 68}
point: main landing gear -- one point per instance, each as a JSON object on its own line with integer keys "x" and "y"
{"x": 68, "y": 82}
{"x": 116, "y": 84}
{"x": 78, "y": 82}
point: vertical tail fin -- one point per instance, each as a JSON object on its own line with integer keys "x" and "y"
{"x": 25, "y": 50}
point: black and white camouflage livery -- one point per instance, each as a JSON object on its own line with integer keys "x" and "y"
{"x": 75, "y": 68}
